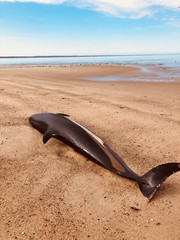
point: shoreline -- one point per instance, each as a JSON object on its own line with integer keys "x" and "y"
{"x": 147, "y": 72}
{"x": 50, "y": 191}
{"x": 171, "y": 60}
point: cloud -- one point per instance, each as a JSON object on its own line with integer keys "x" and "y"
{"x": 173, "y": 21}
{"x": 118, "y": 8}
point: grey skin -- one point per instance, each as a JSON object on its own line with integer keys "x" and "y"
{"x": 61, "y": 127}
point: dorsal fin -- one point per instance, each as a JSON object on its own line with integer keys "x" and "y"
{"x": 62, "y": 114}
{"x": 48, "y": 134}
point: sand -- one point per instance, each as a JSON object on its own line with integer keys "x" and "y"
{"x": 50, "y": 191}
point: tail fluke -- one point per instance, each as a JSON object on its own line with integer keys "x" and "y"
{"x": 156, "y": 176}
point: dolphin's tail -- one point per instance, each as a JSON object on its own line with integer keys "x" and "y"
{"x": 156, "y": 176}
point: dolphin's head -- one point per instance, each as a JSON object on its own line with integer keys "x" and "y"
{"x": 37, "y": 121}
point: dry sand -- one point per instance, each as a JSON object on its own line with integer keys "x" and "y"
{"x": 50, "y": 191}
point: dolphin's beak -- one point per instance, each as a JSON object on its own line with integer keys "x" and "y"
{"x": 39, "y": 125}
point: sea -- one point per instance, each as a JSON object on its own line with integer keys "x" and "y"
{"x": 169, "y": 63}
{"x": 169, "y": 60}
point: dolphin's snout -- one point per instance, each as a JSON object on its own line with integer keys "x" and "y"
{"x": 37, "y": 123}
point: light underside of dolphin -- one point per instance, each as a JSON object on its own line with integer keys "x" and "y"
{"x": 61, "y": 127}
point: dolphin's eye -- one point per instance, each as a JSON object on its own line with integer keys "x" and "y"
{"x": 43, "y": 127}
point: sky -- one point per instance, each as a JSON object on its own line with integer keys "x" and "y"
{"x": 88, "y": 27}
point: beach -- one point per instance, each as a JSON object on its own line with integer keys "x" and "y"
{"x": 49, "y": 191}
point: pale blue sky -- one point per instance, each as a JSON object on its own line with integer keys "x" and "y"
{"x": 63, "y": 27}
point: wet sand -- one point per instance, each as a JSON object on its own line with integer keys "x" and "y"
{"x": 50, "y": 191}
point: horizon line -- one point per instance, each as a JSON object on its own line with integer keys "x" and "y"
{"x": 84, "y": 55}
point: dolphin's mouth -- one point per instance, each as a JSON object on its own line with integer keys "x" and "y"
{"x": 33, "y": 122}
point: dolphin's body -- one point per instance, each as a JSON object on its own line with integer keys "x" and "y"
{"x": 61, "y": 127}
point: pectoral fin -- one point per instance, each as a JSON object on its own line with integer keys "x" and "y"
{"x": 48, "y": 134}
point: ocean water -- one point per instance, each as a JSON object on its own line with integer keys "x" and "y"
{"x": 169, "y": 65}
{"x": 169, "y": 60}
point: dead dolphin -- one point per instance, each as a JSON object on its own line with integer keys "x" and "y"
{"x": 61, "y": 127}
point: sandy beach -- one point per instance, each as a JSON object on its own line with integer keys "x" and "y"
{"x": 50, "y": 191}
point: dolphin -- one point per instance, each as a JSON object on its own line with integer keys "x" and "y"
{"x": 84, "y": 141}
